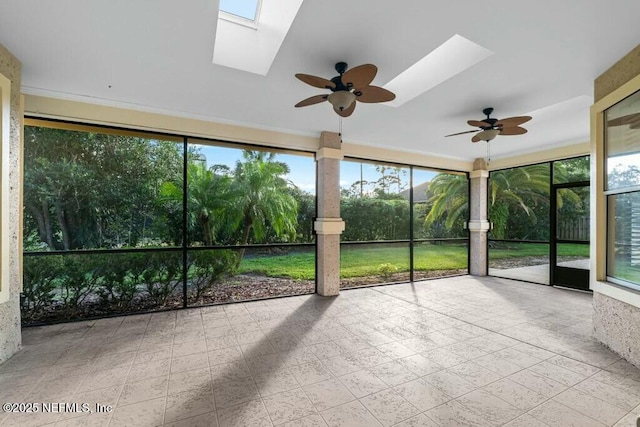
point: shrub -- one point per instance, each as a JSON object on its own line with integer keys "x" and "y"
{"x": 207, "y": 267}
{"x": 79, "y": 280}
{"x": 41, "y": 277}
{"x": 162, "y": 276}
{"x": 121, "y": 277}
{"x": 387, "y": 270}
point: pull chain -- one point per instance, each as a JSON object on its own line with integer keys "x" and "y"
{"x": 488, "y": 153}
{"x": 340, "y": 127}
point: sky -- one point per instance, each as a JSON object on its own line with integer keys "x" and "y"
{"x": 243, "y": 8}
{"x": 303, "y": 172}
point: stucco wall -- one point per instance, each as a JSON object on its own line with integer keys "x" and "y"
{"x": 620, "y": 73}
{"x": 10, "y": 339}
{"x": 616, "y": 323}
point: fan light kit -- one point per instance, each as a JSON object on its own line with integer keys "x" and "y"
{"x": 346, "y": 88}
{"x": 341, "y": 99}
{"x": 490, "y": 127}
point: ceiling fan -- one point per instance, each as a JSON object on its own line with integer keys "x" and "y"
{"x": 346, "y": 88}
{"x": 490, "y": 127}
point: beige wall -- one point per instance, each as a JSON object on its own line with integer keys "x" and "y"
{"x": 10, "y": 339}
{"x": 616, "y": 309}
{"x": 564, "y": 152}
{"x": 38, "y": 106}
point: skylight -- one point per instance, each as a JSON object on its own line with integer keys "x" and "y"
{"x": 447, "y": 60}
{"x": 252, "y": 45}
{"x": 247, "y": 9}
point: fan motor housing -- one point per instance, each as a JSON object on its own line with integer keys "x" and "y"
{"x": 337, "y": 80}
{"x": 487, "y": 112}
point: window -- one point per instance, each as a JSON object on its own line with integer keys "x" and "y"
{"x": 247, "y": 9}
{"x": 518, "y": 209}
{"x": 622, "y": 189}
{"x": 250, "y": 214}
{"x": 119, "y": 221}
{"x": 390, "y": 239}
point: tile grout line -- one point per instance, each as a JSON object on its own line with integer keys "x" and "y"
{"x": 481, "y": 327}
{"x": 166, "y": 395}
{"x": 206, "y": 345}
{"x": 523, "y": 369}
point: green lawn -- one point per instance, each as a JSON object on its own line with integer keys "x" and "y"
{"x": 625, "y": 272}
{"x": 297, "y": 265}
{"x": 516, "y": 250}
{"x": 359, "y": 261}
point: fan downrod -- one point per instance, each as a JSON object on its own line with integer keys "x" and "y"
{"x": 341, "y": 67}
{"x": 487, "y": 111}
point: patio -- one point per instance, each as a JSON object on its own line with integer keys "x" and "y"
{"x": 455, "y": 351}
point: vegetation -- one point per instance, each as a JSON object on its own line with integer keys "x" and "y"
{"x": 96, "y": 191}
{"x": 519, "y": 199}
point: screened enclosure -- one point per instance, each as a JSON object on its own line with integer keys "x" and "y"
{"x": 120, "y": 222}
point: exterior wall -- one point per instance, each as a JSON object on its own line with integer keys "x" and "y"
{"x": 616, "y": 310}
{"x": 616, "y": 324}
{"x": 10, "y": 339}
{"x": 620, "y": 73}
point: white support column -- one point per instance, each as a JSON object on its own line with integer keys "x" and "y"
{"x": 329, "y": 225}
{"x": 478, "y": 223}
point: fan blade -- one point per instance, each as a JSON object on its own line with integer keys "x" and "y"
{"x": 360, "y": 76}
{"x": 478, "y": 124}
{"x": 476, "y": 138}
{"x": 514, "y": 130}
{"x": 625, "y": 120}
{"x": 312, "y": 100}
{"x": 462, "y": 133}
{"x": 347, "y": 111}
{"x": 316, "y": 81}
{"x": 372, "y": 94}
{"x": 512, "y": 121}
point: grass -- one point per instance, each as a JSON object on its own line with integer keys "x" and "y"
{"x": 517, "y": 250}
{"x": 360, "y": 261}
{"x": 296, "y": 265}
{"x": 626, "y": 272}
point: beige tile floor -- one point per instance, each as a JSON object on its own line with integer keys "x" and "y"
{"x": 449, "y": 352}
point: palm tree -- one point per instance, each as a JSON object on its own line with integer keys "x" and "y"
{"x": 510, "y": 190}
{"x": 450, "y": 198}
{"x": 210, "y": 198}
{"x": 263, "y": 200}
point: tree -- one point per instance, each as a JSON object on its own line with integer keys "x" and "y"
{"x": 511, "y": 192}
{"x": 263, "y": 199}
{"x": 91, "y": 190}
{"x": 449, "y": 200}
{"x": 306, "y": 214}
{"x": 390, "y": 176}
{"x": 517, "y": 198}
{"x": 210, "y": 199}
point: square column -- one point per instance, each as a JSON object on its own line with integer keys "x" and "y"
{"x": 328, "y": 225}
{"x": 478, "y": 223}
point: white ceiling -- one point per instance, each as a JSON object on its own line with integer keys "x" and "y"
{"x": 156, "y": 55}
